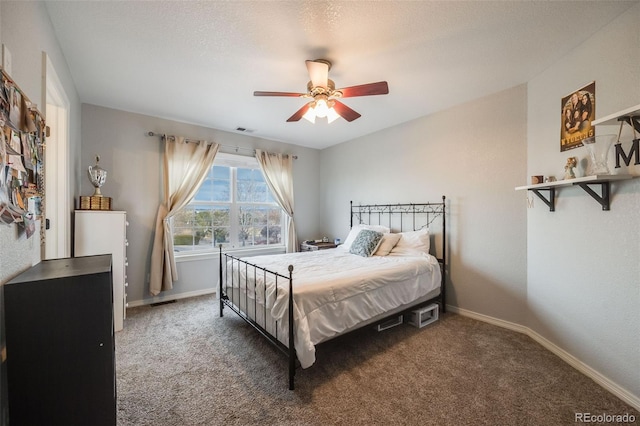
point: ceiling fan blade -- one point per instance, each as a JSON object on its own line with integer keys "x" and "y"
{"x": 297, "y": 95}
{"x": 318, "y": 72}
{"x": 379, "y": 88}
{"x": 344, "y": 111}
{"x": 299, "y": 113}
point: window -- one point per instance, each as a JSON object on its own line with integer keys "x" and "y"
{"x": 233, "y": 207}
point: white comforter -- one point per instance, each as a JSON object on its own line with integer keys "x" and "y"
{"x": 335, "y": 290}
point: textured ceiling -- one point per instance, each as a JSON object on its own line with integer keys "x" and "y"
{"x": 200, "y": 61}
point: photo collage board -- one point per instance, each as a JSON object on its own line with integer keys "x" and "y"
{"x": 22, "y": 143}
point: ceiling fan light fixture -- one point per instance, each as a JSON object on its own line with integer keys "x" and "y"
{"x": 321, "y": 107}
{"x": 310, "y": 115}
{"x": 332, "y": 115}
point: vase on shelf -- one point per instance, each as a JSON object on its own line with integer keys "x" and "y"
{"x": 598, "y": 147}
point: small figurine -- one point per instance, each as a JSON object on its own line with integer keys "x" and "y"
{"x": 572, "y": 163}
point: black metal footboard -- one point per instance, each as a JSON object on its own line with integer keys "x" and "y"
{"x": 234, "y": 290}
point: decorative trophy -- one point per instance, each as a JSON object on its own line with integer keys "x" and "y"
{"x": 97, "y": 176}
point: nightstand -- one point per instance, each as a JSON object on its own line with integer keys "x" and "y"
{"x": 316, "y": 246}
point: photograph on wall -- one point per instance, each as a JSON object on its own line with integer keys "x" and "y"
{"x": 15, "y": 108}
{"x": 578, "y": 110}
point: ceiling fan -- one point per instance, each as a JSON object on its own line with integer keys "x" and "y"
{"x": 325, "y": 96}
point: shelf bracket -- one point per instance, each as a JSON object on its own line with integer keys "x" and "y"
{"x": 633, "y": 121}
{"x": 602, "y": 199}
{"x": 551, "y": 201}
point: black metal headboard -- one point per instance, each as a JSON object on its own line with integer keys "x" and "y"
{"x": 420, "y": 215}
{"x": 405, "y": 217}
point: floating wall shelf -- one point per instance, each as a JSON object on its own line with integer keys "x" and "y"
{"x": 584, "y": 182}
{"x": 630, "y": 116}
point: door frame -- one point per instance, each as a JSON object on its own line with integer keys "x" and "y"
{"x": 57, "y": 162}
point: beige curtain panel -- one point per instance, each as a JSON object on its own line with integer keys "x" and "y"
{"x": 186, "y": 165}
{"x": 278, "y": 173}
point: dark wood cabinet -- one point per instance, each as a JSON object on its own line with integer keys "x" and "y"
{"x": 60, "y": 343}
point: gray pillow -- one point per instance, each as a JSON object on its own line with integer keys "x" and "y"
{"x": 366, "y": 243}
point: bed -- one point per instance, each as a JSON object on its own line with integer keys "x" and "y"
{"x": 392, "y": 262}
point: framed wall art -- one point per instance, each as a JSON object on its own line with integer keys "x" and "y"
{"x": 577, "y": 111}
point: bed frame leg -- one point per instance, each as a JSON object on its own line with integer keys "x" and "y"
{"x": 292, "y": 348}
{"x": 443, "y": 288}
{"x": 292, "y": 373}
{"x": 220, "y": 281}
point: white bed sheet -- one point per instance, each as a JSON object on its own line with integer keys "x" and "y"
{"x": 334, "y": 291}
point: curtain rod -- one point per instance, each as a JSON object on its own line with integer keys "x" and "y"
{"x": 235, "y": 148}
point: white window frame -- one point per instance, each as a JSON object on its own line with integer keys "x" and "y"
{"x": 235, "y": 161}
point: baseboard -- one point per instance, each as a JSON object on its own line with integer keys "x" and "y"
{"x": 168, "y": 298}
{"x": 596, "y": 376}
{"x": 491, "y": 320}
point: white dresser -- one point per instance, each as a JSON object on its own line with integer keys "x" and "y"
{"x": 105, "y": 232}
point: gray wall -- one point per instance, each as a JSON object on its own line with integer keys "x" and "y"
{"x": 134, "y": 165}
{"x": 26, "y": 30}
{"x": 475, "y": 154}
{"x": 583, "y": 263}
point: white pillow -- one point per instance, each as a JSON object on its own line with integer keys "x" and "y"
{"x": 388, "y": 242}
{"x": 357, "y": 228}
{"x": 414, "y": 242}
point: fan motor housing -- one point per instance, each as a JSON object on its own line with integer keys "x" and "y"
{"x": 319, "y": 90}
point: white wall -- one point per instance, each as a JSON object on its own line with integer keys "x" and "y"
{"x": 584, "y": 263}
{"x": 26, "y": 30}
{"x": 134, "y": 182}
{"x": 475, "y": 154}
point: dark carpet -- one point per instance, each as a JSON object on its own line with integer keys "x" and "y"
{"x": 180, "y": 364}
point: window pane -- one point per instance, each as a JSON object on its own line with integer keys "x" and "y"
{"x": 220, "y": 173}
{"x": 274, "y": 226}
{"x": 221, "y": 183}
{"x": 270, "y": 198}
{"x": 220, "y": 234}
{"x": 216, "y": 186}
{"x": 260, "y": 192}
{"x": 221, "y": 190}
{"x": 205, "y": 193}
{"x": 183, "y": 229}
{"x": 260, "y": 216}
{"x": 244, "y": 191}
{"x": 220, "y": 215}
{"x": 245, "y": 219}
{"x": 260, "y": 226}
{"x": 252, "y": 187}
